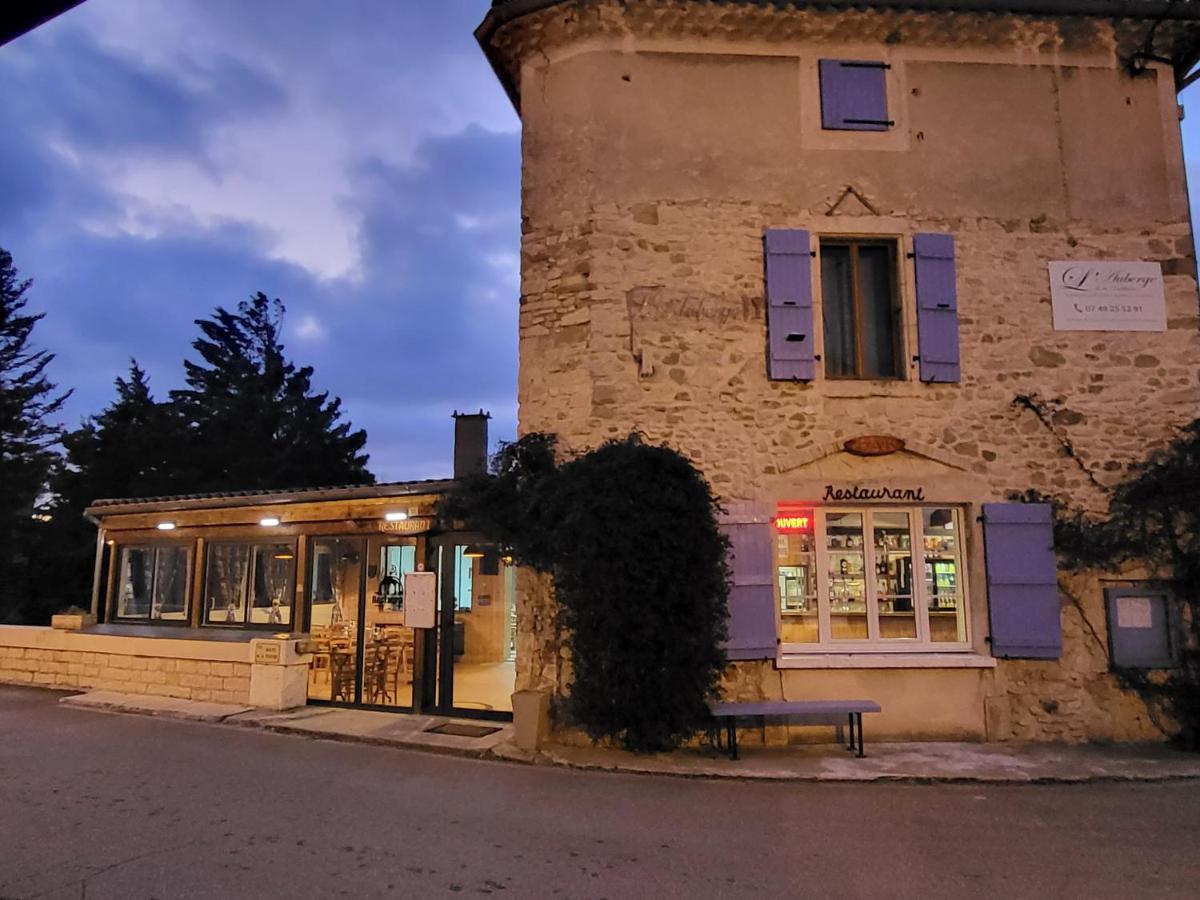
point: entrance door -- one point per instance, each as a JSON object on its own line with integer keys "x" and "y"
{"x": 476, "y": 645}
{"x": 363, "y": 655}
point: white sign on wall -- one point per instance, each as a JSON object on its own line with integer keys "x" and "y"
{"x": 420, "y": 599}
{"x": 1135, "y": 612}
{"x": 1093, "y": 295}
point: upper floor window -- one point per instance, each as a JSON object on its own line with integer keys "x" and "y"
{"x": 250, "y": 584}
{"x": 153, "y": 582}
{"x": 854, "y": 95}
{"x": 861, "y": 309}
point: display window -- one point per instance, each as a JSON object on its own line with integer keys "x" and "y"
{"x": 876, "y": 578}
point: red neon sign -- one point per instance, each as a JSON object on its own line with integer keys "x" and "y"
{"x": 793, "y": 518}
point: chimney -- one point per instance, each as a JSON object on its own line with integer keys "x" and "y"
{"x": 470, "y": 443}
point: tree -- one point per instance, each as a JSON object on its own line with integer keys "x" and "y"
{"x": 128, "y": 450}
{"x": 28, "y": 401}
{"x": 629, "y": 533}
{"x": 251, "y": 419}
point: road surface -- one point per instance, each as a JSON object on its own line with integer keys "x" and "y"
{"x": 99, "y": 806}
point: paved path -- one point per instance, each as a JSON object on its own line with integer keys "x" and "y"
{"x": 95, "y": 805}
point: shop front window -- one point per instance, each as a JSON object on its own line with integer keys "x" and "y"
{"x": 249, "y": 584}
{"x": 153, "y": 583}
{"x": 943, "y": 586}
{"x": 852, "y": 578}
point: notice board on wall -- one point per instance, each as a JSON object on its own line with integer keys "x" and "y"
{"x": 420, "y": 599}
{"x": 1107, "y": 295}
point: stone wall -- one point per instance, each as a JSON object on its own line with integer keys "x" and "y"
{"x": 662, "y": 140}
{"x": 211, "y": 671}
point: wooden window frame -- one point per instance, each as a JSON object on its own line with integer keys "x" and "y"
{"x": 202, "y": 600}
{"x": 873, "y": 643}
{"x": 854, "y": 242}
{"x": 118, "y": 559}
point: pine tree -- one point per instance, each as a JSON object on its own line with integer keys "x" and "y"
{"x": 28, "y": 401}
{"x": 251, "y": 418}
{"x": 125, "y": 451}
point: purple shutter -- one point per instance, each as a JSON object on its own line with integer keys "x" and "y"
{"x": 853, "y": 95}
{"x": 789, "y": 305}
{"x": 1022, "y": 576}
{"x": 937, "y": 307}
{"x": 752, "y": 629}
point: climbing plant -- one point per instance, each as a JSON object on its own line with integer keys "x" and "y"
{"x": 628, "y": 532}
{"x": 1153, "y": 520}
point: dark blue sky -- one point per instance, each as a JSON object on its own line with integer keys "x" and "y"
{"x": 356, "y": 159}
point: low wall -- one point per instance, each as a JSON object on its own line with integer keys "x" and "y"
{"x": 205, "y": 670}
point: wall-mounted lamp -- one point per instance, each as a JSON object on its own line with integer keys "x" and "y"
{"x": 166, "y": 526}
{"x": 473, "y": 551}
{"x": 269, "y": 522}
{"x": 395, "y": 516}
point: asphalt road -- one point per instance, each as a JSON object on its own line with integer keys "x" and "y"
{"x": 104, "y": 806}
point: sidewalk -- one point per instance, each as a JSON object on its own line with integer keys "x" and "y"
{"x": 912, "y": 762}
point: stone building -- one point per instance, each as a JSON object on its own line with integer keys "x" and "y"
{"x": 878, "y": 268}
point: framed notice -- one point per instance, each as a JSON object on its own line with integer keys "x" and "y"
{"x": 420, "y": 599}
{"x": 1103, "y": 295}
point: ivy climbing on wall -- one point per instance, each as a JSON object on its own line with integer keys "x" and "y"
{"x": 628, "y": 531}
{"x": 1153, "y": 521}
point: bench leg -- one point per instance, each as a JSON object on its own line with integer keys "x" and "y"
{"x": 861, "y": 751}
{"x": 731, "y": 732}
{"x": 850, "y": 743}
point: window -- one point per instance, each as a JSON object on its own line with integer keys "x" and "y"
{"x": 854, "y": 95}
{"x": 883, "y": 578}
{"x": 249, "y": 584}
{"x": 153, "y": 583}
{"x": 861, "y": 309}
{"x": 464, "y": 580}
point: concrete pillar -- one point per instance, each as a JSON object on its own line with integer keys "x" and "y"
{"x": 278, "y": 674}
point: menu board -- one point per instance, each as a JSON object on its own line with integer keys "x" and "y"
{"x": 420, "y": 599}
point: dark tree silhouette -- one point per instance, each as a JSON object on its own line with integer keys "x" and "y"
{"x": 251, "y": 419}
{"x": 28, "y": 401}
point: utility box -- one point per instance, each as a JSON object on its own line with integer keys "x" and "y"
{"x": 1142, "y": 632}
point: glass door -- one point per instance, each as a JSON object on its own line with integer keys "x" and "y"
{"x": 477, "y": 641}
{"x": 335, "y": 586}
{"x": 389, "y": 648}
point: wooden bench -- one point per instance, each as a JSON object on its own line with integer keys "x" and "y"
{"x": 816, "y": 712}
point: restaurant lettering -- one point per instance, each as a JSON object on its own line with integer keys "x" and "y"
{"x": 914, "y": 495}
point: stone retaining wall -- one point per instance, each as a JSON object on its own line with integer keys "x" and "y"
{"x": 204, "y": 670}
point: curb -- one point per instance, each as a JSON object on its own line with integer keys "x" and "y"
{"x": 509, "y": 753}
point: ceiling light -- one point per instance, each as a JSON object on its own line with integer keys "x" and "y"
{"x": 473, "y": 551}
{"x": 166, "y": 526}
{"x": 269, "y": 522}
{"x": 395, "y": 516}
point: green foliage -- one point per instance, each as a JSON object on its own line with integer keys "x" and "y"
{"x": 251, "y": 418}
{"x": 629, "y": 533}
{"x": 28, "y": 401}
{"x": 1154, "y": 520}
{"x": 248, "y": 419}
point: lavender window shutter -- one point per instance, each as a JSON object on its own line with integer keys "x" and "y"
{"x": 853, "y": 95}
{"x": 752, "y": 629}
{"x": 789, "y": 305}
{"x": 1022, "y": 576}
{"x": 937, "y": 307}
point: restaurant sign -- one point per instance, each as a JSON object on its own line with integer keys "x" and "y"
{"x": 1090, "y": 295}
{"x": 412, "y": 525}
{"x": 913, "y": 495}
